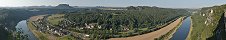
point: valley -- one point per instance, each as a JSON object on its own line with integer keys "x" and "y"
{"x": 131, "y": 22}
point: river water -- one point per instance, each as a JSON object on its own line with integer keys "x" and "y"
{"x": 180, "y": 34}
{"x": 183, "y": 30}
{"x": 22, "y": 27}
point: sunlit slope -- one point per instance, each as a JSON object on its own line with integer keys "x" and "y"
{"x": 206, "y": 22}
{"x": 123, "y": 23}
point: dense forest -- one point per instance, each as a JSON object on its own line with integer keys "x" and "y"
{"x": 122, "y": 23}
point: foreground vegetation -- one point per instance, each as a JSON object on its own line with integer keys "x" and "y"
{"x": 122, "y": 23}
{"x": 205, "y": 22}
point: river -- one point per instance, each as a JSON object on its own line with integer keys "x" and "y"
{"x": 183, "y": 30}
{"x": 22, "y": 27}
{"x": 180, "y": 34}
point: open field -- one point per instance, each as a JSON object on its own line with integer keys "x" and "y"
{"x": 40, "y": 35}
{"x": 55, "y": 19}
{"x": 35, "y": 18}
{"x": 153, "y": 35}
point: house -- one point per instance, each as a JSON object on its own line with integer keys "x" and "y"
{"x": 91, "y": 25}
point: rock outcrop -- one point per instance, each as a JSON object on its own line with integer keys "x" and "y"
{"x": 63, "y": 6}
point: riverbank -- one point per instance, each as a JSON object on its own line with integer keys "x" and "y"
{"x": 168, "y": 35}
{"x": 32, "y": 28}
{"x": 153, "y": 35}
{"x": 189, "y": 34}
{"x": 183, "y": 31}
{"x": 25, "y": 31}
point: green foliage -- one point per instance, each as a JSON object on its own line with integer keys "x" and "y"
{"x": 202, "y": 31}
{"x": 138, "y": 20}
{"x": 55, "y": 19}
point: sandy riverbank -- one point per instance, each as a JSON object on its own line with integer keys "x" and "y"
{"x": 174, "y": 30}
{"x": 153, "y": 35}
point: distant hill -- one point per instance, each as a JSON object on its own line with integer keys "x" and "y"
{"x": 40, "y": 7}
{"x": 63, "y": 6}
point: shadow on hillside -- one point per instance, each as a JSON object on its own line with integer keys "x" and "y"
{"x": 219, "y": 32}
{"x": 4, "y": 34}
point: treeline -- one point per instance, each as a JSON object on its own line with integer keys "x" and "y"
{"x": 134, "y": 20}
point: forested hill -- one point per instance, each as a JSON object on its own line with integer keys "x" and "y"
{"x": 208, "y": 23}
{"x": 140, "y": 14}
{"x": 9, "y": 17}
{"x": 133, "y": 20}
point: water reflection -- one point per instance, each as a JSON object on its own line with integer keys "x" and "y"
{"x": 183, "y": 30}
{"x": 22, "y": 28}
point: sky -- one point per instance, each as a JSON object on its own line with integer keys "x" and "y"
{"x": 116, "y": 3}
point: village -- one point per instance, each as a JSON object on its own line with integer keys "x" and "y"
{"x": 63, "y": 29}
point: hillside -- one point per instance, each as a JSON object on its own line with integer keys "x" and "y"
{"x": 104, "y": 24}
{"x": 94, "y": 24}
{"x": 10, "y": 17}
{"x": 63, "y": 6}
{"x": 208, "y": 23}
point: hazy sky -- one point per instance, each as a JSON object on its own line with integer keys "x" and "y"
{"x": 121, "y": 3}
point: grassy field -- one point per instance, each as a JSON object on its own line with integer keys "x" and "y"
{"x": 43, "y": 36}
{"x": 67, "y": 37}
{"x": 55, "y": 19}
